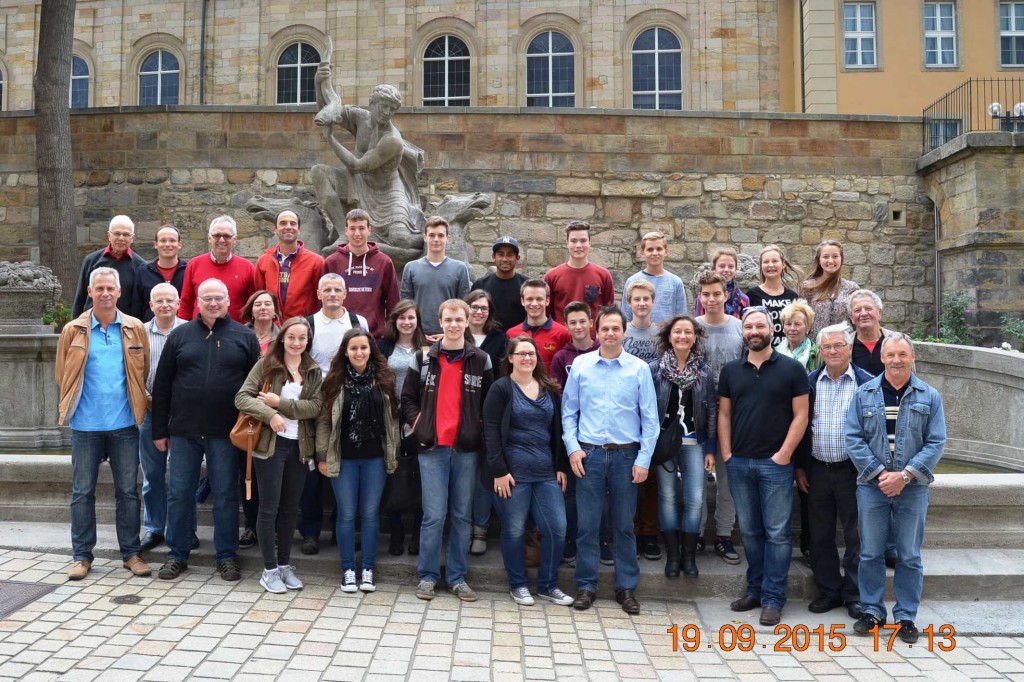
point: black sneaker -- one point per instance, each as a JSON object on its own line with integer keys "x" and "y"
{"x": 700, "y": 543}
{"x": 724, "y": 549}
{"x": 171, "y": 569}
{"x": 866, "y": 623}
{"x": 229, "y": 570}
{"x": 151, "y": 540}
{"x": 908, "y": 632}
{"x": 569, "y": 554}
{"x": 195, "y": 541}
{"x": 649, "y": 547}
{"x": 247, "y": 539}
{"x": 607, "y": 558}
{"x": 310, "y": 545}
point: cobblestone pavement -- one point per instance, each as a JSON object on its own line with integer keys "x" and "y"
{"x": 200, "y": 627}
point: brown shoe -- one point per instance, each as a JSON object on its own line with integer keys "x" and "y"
{"x": 137, "y": 565}
{"x": 628, "y": 600}
{"x": 79, "y": 570}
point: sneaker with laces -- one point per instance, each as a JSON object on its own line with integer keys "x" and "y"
{"x": 348, "y": 582}
{"x": 569, "y": 554}
{"x": 724, "y": 549}
{"x": 271, "y": 581}
{"x": 556, "y": 596}
{"x": 171, "y": 569}
{"x": 288, "y": 577}
{"x": 908, "y": 632}
{"x": 366, "y": 583}
{"x": 229, "y": 570}
{"x": 426, "y": 590}
{"x": 463, "y": 591}
{"x": 866, "y": 623}
{"x": 521, "y": 596}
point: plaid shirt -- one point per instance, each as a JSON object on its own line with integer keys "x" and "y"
{"x": 832, "y": 400}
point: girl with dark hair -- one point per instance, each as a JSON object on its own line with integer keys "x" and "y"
{"x": 686, "y": 387}
{"x": 262, "y": 314}
{"x": 282, "y": 391}
{"x": 527, "y": 468}
{"x": 825, "y": 290}
{"x": 356, "y": 444}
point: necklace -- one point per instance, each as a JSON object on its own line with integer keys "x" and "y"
{"x": 527, "y": 386}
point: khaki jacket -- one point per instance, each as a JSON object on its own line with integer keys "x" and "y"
{"x": 73, "y": 352}
{"x": 305, "y": 409}
{"x": 327, "y": 435}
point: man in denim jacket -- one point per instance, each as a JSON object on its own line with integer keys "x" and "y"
{"x": 895, "y": 434}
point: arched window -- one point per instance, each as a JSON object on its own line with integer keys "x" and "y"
{"x": 657, "y": 70}
{"x": 79, "y": 95}
{"x": 446, "y": 73}
{"x": 551, "y": 71}
{"x": 296, "y": 74}
{"x": 158, "y": 79}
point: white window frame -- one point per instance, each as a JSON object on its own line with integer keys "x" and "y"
{"x": 549, "y": 58}
{"x": 447, "y": 59}
{"x": 160, "y": 74}
{"x": 1016, "y": 10}
{"x": 297, "y": 67}
{"x": 86, "y": 77}
{"x": 860, "y": 35}
{"x": 657, "y": 51}
{"x": 939, "y": 35}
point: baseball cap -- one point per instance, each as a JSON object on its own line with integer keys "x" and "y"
{"x": 506, "y": 241}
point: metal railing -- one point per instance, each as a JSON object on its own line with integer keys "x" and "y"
{"x": 978, "y": 104}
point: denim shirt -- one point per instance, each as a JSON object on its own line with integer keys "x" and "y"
{"x": 920, "y": 432}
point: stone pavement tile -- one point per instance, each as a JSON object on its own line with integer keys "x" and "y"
{"x": 283, "y": 638}
{"x": 217, "y": 669}
{"x": 431, "y": 663}
{"x": 309, "y": 663}
{"x": 210, "y": 630}
{"x": 744, "y": 666}
{"x": 380, "y": 666}
{"x": 78, "y": 675}
{"x": 1005, "y": 666}
{"x": 273, "y": 652}
{"x": 397, "y": 628}
{"x": 328, "y": 636}
{"x": 975, "y": 672}
{"x": 500, "y": 638}
{"x": 149, "y": 647}
{"x": 249, "y": 628}
{"x": 792, "y": 674}
{"x": 463, "y": 659}
{"x": 225, "y": 655}
{"x": 637, "y": 672}
{"x": 340, "y": 674}
{"x": 351, "y": 659}
{"x": 358, "y": 644}
{"x": 471, "y": 646}
{"x": 506, "y": 653}
{"x": 870, "y": 675}
{"x": 471, "y": 674}
{"x": 261, "y": 667}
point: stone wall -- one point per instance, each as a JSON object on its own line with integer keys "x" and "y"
{"x": 706, "y": 180}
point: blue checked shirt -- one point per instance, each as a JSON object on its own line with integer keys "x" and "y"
{"x": 832, "y": 400}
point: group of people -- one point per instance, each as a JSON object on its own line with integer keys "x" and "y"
{"x": 535, "y": 398}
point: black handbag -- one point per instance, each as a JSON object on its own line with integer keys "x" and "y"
{"x": 669, "y": 439}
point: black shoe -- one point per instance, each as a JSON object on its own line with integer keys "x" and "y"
{"x": 397, "y": 545}
{"x": 628, "y": 600}
{"x": 195, "y": 541}
{"x": 770, "y": 616}
{"x": 310, "y": 545}
{"x": 171, "y": 569}
{"x": 688, "y": 556}
{"x": 724, "y": 549}
{"x": 584, "y": 600}
{"x": 607, "y": 558}
{"x": 867, "y": 622}
{"x": 908, "y": 632}
{"x": 229, "y": 570}
{"x": 247, "y": 539}
{"x": 855, "y": 609}
{"x": 700, "y": 542}
{"x": 806, "y": 554}
{"x": 745, "y": 603}
{"x": 414, "y": 545}
{"x": 151, "y": 540}
{"x": 891, "y": 560}
{"x": 569, "y": 554}
{"x": 649, "y": 547}
{"x": 671, "y": 538}
{"x": 824, "y": 604}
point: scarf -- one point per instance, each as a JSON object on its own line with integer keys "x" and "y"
{"x": 364, "y": 422}
{"x": 736, "y": 301}
{"x": 801, "y": 354}
{"x": 683, "y": 378}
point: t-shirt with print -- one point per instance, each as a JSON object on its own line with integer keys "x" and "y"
{"x": 724, "y": 343}
{"x": 641, "y": 342}
{"x": 774, "y": 303}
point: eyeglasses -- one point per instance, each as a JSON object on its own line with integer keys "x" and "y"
{"x": 213, "y": 298}
{"x": 122, "y": 235}
{"x": 754, "y": 309}
{"x": 479, "y": 308}
{"x": 222, "y": 237}
{"x": 526, "y": 354}
{"x": 829, "y": 347}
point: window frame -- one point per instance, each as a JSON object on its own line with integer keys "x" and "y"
{"x": 860, "y": 35}
{"x": 657, "y": 52}
{"x": 937, "y": 133}
{"x": 938, "y": 34}
{"x": 298, "y": 43}
{"x": 550, "y": 55}
{"x": 88, "y": 85}
{"x": 160, "y": 74}
{"x": 446, "y": 61}
{"x": 1013, "y": 35}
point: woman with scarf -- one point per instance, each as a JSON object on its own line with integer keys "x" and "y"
{"x": 356, "y": 446}
{"x": 686, "y": 387}
{"x": 797, "y": 320}
{"x": 724, "y": 262}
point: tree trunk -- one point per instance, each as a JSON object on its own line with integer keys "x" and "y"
{"x": 58, "y": 241}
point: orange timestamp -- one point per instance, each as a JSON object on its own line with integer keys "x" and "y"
{"x": 801, "y": 637}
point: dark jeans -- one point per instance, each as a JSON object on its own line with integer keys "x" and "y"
{"x": 542, "y": 501}
{"x": 250, "y": 507}
{"x": 311, "y": 507}
{"x": 185, "y": 460}
{"x": 121, "y": 449}
{"x": 281, "y": 479}
{"x": 609, "y": 474}
{"x": 832, "y": 495}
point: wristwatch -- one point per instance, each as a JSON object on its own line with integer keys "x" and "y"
{"x": 907, "y": 478}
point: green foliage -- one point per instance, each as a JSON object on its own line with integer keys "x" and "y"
{"x": 952, "y": 322}
{"x": 1014, "y": 329}
{"x": 59, "y": 316}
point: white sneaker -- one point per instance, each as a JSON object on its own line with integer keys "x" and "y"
{"x": 366, "y": 583}
{"x": 288, "y": 577}
{"x": 348, "y": 582}
{"x": 522, "y": 596}
{"x": 556, "y": 596}
{"x": 271, "y": 581}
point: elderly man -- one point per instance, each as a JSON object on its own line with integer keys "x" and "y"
{"x": 234, "y": 272}
{"x": 163, "y": 303}
{"x": 895, "y": 434}
{"x": 825, "y": 472}
{"x": 289, "y": 270}
{"x": 102, "y": 357}
{"x": 118, "y": 255}
{"x": 866, "y": 317}
{"x": 762, "y": 416}
{"x": 202, "y": 366}
{"x": 166, "y": 267}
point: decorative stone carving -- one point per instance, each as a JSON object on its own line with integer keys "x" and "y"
{"x": 747, "y": 275}
{"x": 313, "y": 229}
{"x": 27, "y": 291}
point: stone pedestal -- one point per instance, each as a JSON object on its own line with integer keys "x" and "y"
{"x": 28, "y": 409}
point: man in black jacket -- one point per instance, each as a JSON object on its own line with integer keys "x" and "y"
{"x": 166, "y": 267}
{"x": 443, "y": 398}
{"x": 202, "y": 366}
{"x": 117, "y": 254}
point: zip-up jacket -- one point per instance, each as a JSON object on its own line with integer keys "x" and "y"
{"x": 498, "y": 416}
{"x": 147, "y": 277}
{"x": 305, "y": 409}
{"x": 371, "y": 283}
{"x": 705, "y": 403}
{"x": 803, "y": 454}
{"x": 328, "y": 434}
{"x": 419, "y": 397}
{"x": 200, "y": 371}
{"x": 125, "y": 267}
{"x": 302, "y": 284}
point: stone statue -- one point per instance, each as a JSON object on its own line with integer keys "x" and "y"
{"x": 27, "y": 292}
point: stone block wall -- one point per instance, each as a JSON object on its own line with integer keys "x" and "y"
{"x": 705, "y": 180}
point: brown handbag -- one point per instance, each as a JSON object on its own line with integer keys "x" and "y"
{"x": 244, "y": 436}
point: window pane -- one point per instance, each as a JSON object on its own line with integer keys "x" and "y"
{"x": 667, "y": 40}
{"x": 560, "y": 43}
{"x": 435, "y": 50}
{"x": 867, "y": 51}
{"x": 308, "y": 85}
{"x": 79, "y": 93}
{"x": 646, "y": 40}
{"x": 287, "y": 86}
{"x": 536, "y": 101}
{"x": 670, "y": 75}
{"x": 289, "y": 56}
{"x": 151, "y": 63}
{"x": 536, "y": 75}
{"x": 79, "y": 67}
{"x": 148, "y": 93}
{"x": 671, "y": 101}
{"x": 458, "y": 78}
{"x": 539, "y": 45}
{"x": 169, "y": 89}
{"x": 457, "y": 48}
{"x": 643, "y": 73}
{"x": 460, "y": 102}
{"x": 310, "y": 55}
{"x": 433, "y": 79}
{"x": 168, "y": 62}
{"x": 644, "y": 101}
{"x": 569, "y": 101}
{"x": 563, "y": 78}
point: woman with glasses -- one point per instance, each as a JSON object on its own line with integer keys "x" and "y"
{"x": 825, "y": 290}
{"x": 686, "y": 386}
{"x": 772, "y": 293}
{"x": 527, "y": 468}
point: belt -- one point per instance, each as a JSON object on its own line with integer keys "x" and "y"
{"x": 611, "y": 446}
{"x": 831, "y": 465}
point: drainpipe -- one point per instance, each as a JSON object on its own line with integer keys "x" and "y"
{"x": 202, "y": 55}
{"x": 803, "y": 65}
{"x": 938, "y": 268}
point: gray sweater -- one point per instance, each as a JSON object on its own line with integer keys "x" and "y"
{"x": 431, "y": 285}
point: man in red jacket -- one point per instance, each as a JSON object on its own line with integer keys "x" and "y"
{"x": 237, "y": 274}
{"x": 290, "y": 270}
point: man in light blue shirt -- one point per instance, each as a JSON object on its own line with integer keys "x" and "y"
{"x": 610, "y": 421}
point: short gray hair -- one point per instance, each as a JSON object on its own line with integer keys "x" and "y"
{"x": 331, "y": 277}
{"x": 842, "y": 328}
{"x": 123, "y": 221}
{"x": 897, "y": 336}
{"x": 104, "y": 271}
{"x": 213, "y": 281}
{"x": 866, "y": 293}
{"x": 227, "y": 220}
{"x": 163, "y": 286}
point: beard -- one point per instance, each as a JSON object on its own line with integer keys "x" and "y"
{"x": 757, "y": 343}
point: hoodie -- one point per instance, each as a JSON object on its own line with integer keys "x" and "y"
{"x": 371, "y": 283}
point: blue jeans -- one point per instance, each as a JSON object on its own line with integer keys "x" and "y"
{"x": 121, "y": 449}
{"x": 154, "y": 480}
{"x": 357, "y": 490}
{"x": 544, "y": 501}
{"x": 483, "y": 500}
{"x": 763, "y": 492}
{"x": 609, "y": 476}
{"x": 905, "y": 515}
{"x": 689, "y": 463}
{"x": 185, "y": 459}
{"x": 448, "y": 478}
{"x": 572, "y": 519}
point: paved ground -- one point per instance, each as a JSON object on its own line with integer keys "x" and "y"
{"x": 201, "y": 627}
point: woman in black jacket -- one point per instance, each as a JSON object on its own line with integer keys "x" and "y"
{"x": 527, "y": 468}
